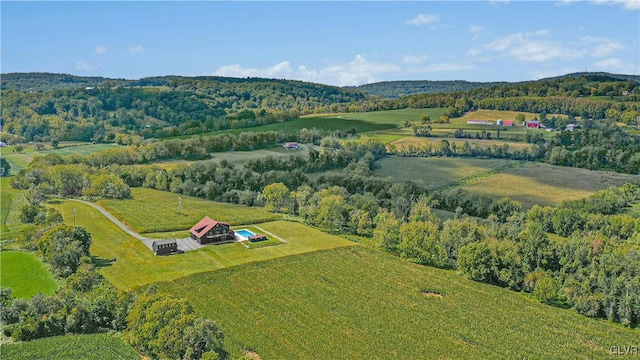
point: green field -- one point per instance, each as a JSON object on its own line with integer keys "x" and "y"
{"x": 238, "y": 158}
{"x": 73, "y": 347}
{"x": 421, "y": 141}
{"x": 80, "y": 149}
{"x": 544, "y": 184}
{"x": 25, "y": 274}
{"x": 435, "y": 172}
{"x": 157, "y": 211}
{"x": 11, "y": 202}
{"x": 396, "y": 117}
{"x": 358, "y": 303}
{"x": 136, "y": 265}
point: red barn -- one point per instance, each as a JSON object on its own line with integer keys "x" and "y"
{"x": 507, "y": 123}
{"x": 533, "y": 124}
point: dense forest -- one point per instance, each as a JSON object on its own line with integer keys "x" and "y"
{"x": 398, "y": 89}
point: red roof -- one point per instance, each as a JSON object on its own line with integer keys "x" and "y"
{"x": 204, "y": 225}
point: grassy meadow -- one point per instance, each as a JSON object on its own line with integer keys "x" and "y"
{"x": 238, "y": 158}
{"x": 157, "y": 211}
{"x": 358, "y": 303}
{"x": 436, "y": 172}
{"x": 420, "y": 141}
{"x": 11, "y": 202}
{"x": 25, "y": 274}
{"x": 72, "y": 347}
{"x": 396, "y": 117}
{"x": 136, "y": 265}
{"x": 544, "y": 184}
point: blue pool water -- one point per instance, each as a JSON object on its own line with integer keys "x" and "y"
{"x": 245, "y": 233}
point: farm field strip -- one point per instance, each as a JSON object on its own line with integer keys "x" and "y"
{"x": 72, "y": 347}
{"x": 136, "y": 265}
{"x": 544, "y": 184}
{"x": 157, "y": 211}
{"x": 418, "y": 141}
{"x": 371, "y": 305}
{"x": 435, "y": 172}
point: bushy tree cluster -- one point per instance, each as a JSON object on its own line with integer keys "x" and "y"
{"x": 86, "y": 305}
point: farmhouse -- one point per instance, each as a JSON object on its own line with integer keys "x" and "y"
{"x": 164, "y": 247}
{"x": 291, "y": 145}
{"x": 208, "y": 231}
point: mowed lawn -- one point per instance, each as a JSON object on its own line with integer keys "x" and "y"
{"x": 136, "y": 265}
{"x": 435, "y": 172}
{"x": 157, "y": 211}
{"x": 544, "y": 184}
{"x": 358, "y": 303}
{"x": 25, "y": 275}
{"x": 73, "y": 347}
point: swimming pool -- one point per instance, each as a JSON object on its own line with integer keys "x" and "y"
{"x": 244, "y": 234}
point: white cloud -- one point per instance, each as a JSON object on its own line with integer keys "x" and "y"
{"x": 279, "y": 70}
{"x": 448, "y": 67}
{"x": 542, "y": 74}
{"x": 356, "y": 72}
{"x": 565, "y": 2}
{"x": 626, "y": 4}
{"x": 415, "y": 60}
{"x": 615, "y": 65}
{"x": 533, "y": 46}
{"x": 476, "y": 30}
{"x": 138, "y": 49}
{"x": 474, "y": 51}
{"x": 101, "y": 49}
{"x": 85, "y": 66}
{"x": 423, "y": 19}
{"x": 601, "y": 46}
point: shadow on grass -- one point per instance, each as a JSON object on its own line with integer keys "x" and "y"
{"x": 54, "y": 202}
{"x": 100, "y": 263}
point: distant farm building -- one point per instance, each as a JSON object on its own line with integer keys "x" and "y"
{"x": 3, "y": 144}
{"x": 291, "y": 145}
{"x": 533, "y": 124}
{"x": 571, "y": 127}
{"x": 479, "y": 122}
{"x": 164, "y": 247}
{"x": 209, "y": 231}
{"x": 507, "y": 123}
{"x": 499, "y": 122}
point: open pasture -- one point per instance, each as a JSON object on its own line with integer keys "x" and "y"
{"x": 136, "y": 265}
{"x": 419, "y": 141}
{"x": 397, "y": 117}
{"x": 25, "y": 274}
{"x": 359, "y": 303}
{"x": 239, "y": 158}
{"x": 72, "y": 347}
{"x": 11, "y": 202}
{"x": 544, "y": 184}
{"x": 154, "y": 211}
{"x": 436, "y": 172}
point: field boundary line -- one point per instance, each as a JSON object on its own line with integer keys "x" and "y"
{"x": 270, "y": 234}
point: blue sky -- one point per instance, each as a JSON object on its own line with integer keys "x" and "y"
{"x": 337, "y": 43}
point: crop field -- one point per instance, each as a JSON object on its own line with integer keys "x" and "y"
{"x": 157, "y": 211}
{"x": 11, "y": 202}
{"x": 419, "y": 141}
{"x": 238, "y": 158}
{"x": 73, "y": 347}
{"x": 397, "y": 117}
{"x": 136, "y": 265}
{"x": 544, "y": 184}
{"x": 436, "y": 172}
{"x": 358, "y": 303}
{"x": 25, "y": 274}
{"x": 81, "y": 149}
